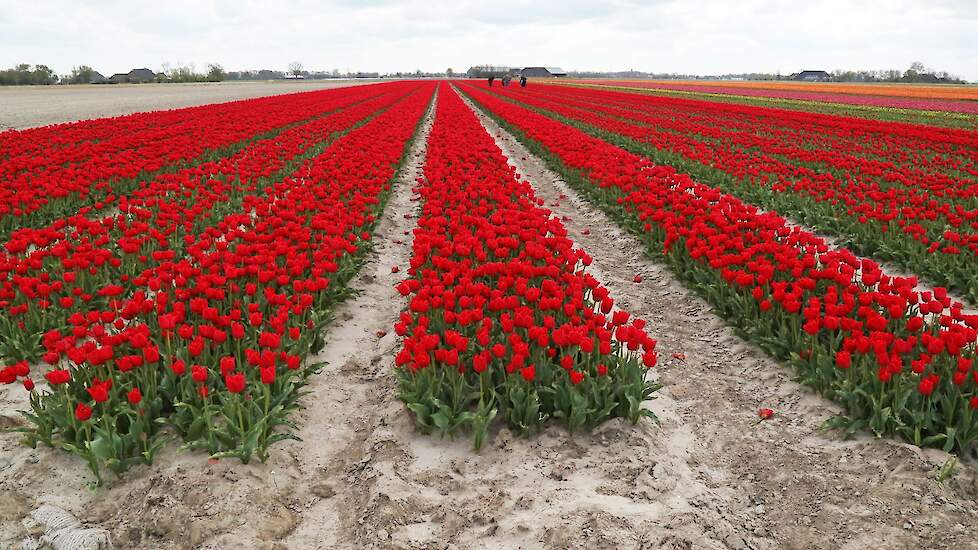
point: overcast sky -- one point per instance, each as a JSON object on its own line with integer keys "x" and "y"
{"x": 697, "y": 37}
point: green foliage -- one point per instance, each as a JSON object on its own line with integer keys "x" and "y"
{"x": 25, "y": 74}
{"x": 215, "y": 73}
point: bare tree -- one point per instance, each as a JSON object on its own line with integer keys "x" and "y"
{"x": 295, "y": 68}
{"x": 914, "y": 73}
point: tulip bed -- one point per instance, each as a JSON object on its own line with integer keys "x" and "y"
{"x": 895, "y": 192}
{"x": 52, "y": 172}
{"x": 86, "y": 259}
{"x": 189, "y": 307}
{"x": 900, "y": 361}
{"x": 502, "y": 316}
{"x": 168, "y": 275}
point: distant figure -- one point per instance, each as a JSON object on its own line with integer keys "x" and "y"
{"x": 491, "y": 78}
{"x": 522, "y": 82}
{"x": 506, "y": 80}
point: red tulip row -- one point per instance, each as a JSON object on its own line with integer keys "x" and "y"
{"x": 922, "y": 215}
{"x": 85, "y": 260}
{"x": 901, "y": 361}
{"x": 80, "y": 163}
{"x": 212, "y": 344}
{"x": 503, "y": 317}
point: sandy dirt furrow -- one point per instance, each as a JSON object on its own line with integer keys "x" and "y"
{"x": 31, "y": 106}
{"x": 780, "y": 483}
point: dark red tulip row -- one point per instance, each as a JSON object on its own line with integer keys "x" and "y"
{"x": 900, "y": 360}
{"x": 53, "y": 171}
{"x": 503, "y": 317}
{"x": 212, "y": 344}
{"x": 901, "y": 193}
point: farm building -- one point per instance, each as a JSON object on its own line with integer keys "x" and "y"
{"x": 812, "y": 76}
{"x": 97, "y": 78}
{"x": 141, "y": 75}
{"x": 135, "y": 76}
{"x": 544, "y": 72}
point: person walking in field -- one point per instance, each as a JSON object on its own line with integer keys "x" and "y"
{"x": 506, "y": 80}
{"x": 522, "y": 82}
{"x": 491, "y": 78}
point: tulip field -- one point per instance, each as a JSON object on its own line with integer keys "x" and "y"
{"x": 188, "y": 300}
{"x": 172, "y": 278}
{"x": 900, "y": 360}
{"x": 905, "y": 195}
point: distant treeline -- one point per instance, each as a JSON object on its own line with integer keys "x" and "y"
{"x": 187, "y": 73}
{"x": 25, "y": 74}
{"x": 917, "y": 73}
{"x": 267, "y": 74}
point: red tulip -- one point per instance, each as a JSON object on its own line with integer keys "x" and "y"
{"x": 98, "y": 392}
{"x": 178, "y": 367}
{"x": 198, "y": 373}
{"x": 57, "y": 377}
{"x": 83, "y": 412}
{"x": 134, "y": 396}
{"x": 235, "y": 382}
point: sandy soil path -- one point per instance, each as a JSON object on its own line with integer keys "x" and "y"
{"x": 30, "y": 106}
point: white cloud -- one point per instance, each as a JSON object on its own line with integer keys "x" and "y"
{"x": 705, "y": 37}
